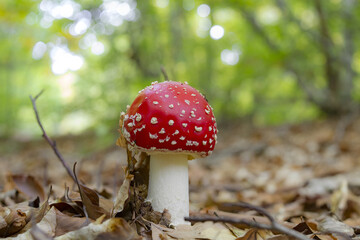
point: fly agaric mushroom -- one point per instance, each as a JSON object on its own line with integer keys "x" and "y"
{"x": 173, "y": 123}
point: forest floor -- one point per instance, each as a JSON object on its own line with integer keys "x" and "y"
{"x": 306, "y": 178}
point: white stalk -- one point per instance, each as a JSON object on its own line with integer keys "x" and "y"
{"x": 169, "y": 185}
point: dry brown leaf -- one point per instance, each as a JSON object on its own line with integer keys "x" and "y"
{"x": 38, "y": 234}
{"x": 256, "y": 234}
{"x": 306, "y": 227}
{"x": 113, "y": 227}
{"x": 123, "y": 193}
{"x": 339, "y": 199}
{"x": 15, "y": 221}
{"x": 157, "y": 234}
{"x": 65, "y": 223}
{"x": 46, "y": 226}
{"x": 90, "y": 200}
{"x": 202, "y": 230}
{"x": 69, "y": 208}
{"x": 279, "y": 237}
{"x": 37, "y": 215}
{"x": 330, "y": 225}
{"x": 27, "y": 185}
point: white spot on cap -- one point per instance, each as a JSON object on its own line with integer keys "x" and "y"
{"x": 161, "y": 140}
{"x": 193, "y": 94}
{"x": 138, "y": 117}
{"x": 166, "y": 95}
{"x": 130, "y": 124}
{"x": 139, "y": 129}
{"x": 204, "y": 143}
{"x": 153, "y": 136}
{"x": 210, "y": 128}
{"x": 195, "y": 143}
{"x": 207, "y": 111}
{"x": 199, "y": 119}
{"x": 154, "y": 120}
{"x": 184, "y": 124}
{"x": 155, "y": 102}
{"x": 198, "y": 129}
{"x": 171, "y": 122}
{"x": 167, "y": 138}
{"x": 210, "y": 140}
{"x": 176, "y": 132}
{"x": 182, "y": 138}
{"x": 162, "y": 131}
{"x": 173, "y": 142}
{"x": 171, "y": 106}
{"x": 187, "y": 102}
{"x": 183, "y": 111}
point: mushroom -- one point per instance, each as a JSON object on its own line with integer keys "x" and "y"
{"x": 173, "y": 123}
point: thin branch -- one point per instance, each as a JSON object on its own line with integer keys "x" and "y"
{"x": 283, "y": 6}
{"x": 274, "y": 226}
{"x": 331, "y": 70}
{"x": 164, "y": 73}
{"x": 348, "y": 48}
{"x": 311, "y": 92}
{"x": 258, "y": 209}
{"x": 84, "y": 208}
{"x": 258, "y": 29}
{"x": 48, "y": 139}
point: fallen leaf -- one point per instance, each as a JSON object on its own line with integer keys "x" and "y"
{"x": 256, "y": 234}
{"x": 202, "y": 230}
{"x": 27, "y": 185}
{"x": 90, "y": 200}
{"x": 330, "y": 225}
{"x": 339, "y": 199}
{"x": 65, "y": 223}
{"x": 304, "y": 228}
{"x": 15, "y": 220}
{"x": 123, "y": 193}
{"x": 156, "y": 233}
{"x": 46, "y": 226}
{"x": 115, "y": 227}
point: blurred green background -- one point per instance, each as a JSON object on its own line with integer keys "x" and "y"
{"x": 267, "y": 62}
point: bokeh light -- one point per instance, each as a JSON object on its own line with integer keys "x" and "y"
{"x": 217, "y": 32}
{"x": 39, "y": 50}
{"x": 203, "y": 10}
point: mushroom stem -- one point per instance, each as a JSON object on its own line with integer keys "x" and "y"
{"x": 169, "y": 185}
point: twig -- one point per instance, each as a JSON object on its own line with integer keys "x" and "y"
{"x": 84, "y": 208}
{"x": 48, "y": 139}
{"x": 164, "y": 73}
{"x": 258, "y": 209}
{"x": 273, "y": 226}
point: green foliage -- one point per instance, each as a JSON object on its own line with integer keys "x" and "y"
{"x": 261, "y": 85}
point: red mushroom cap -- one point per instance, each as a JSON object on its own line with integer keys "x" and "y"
{"x": 170, "y": 117}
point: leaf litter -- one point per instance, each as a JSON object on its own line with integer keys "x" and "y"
{"x": 302, "y": 176}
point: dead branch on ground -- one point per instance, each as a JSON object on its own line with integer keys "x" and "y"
{"x": 48, "y": 139}
{"x": 273, "y": 226}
